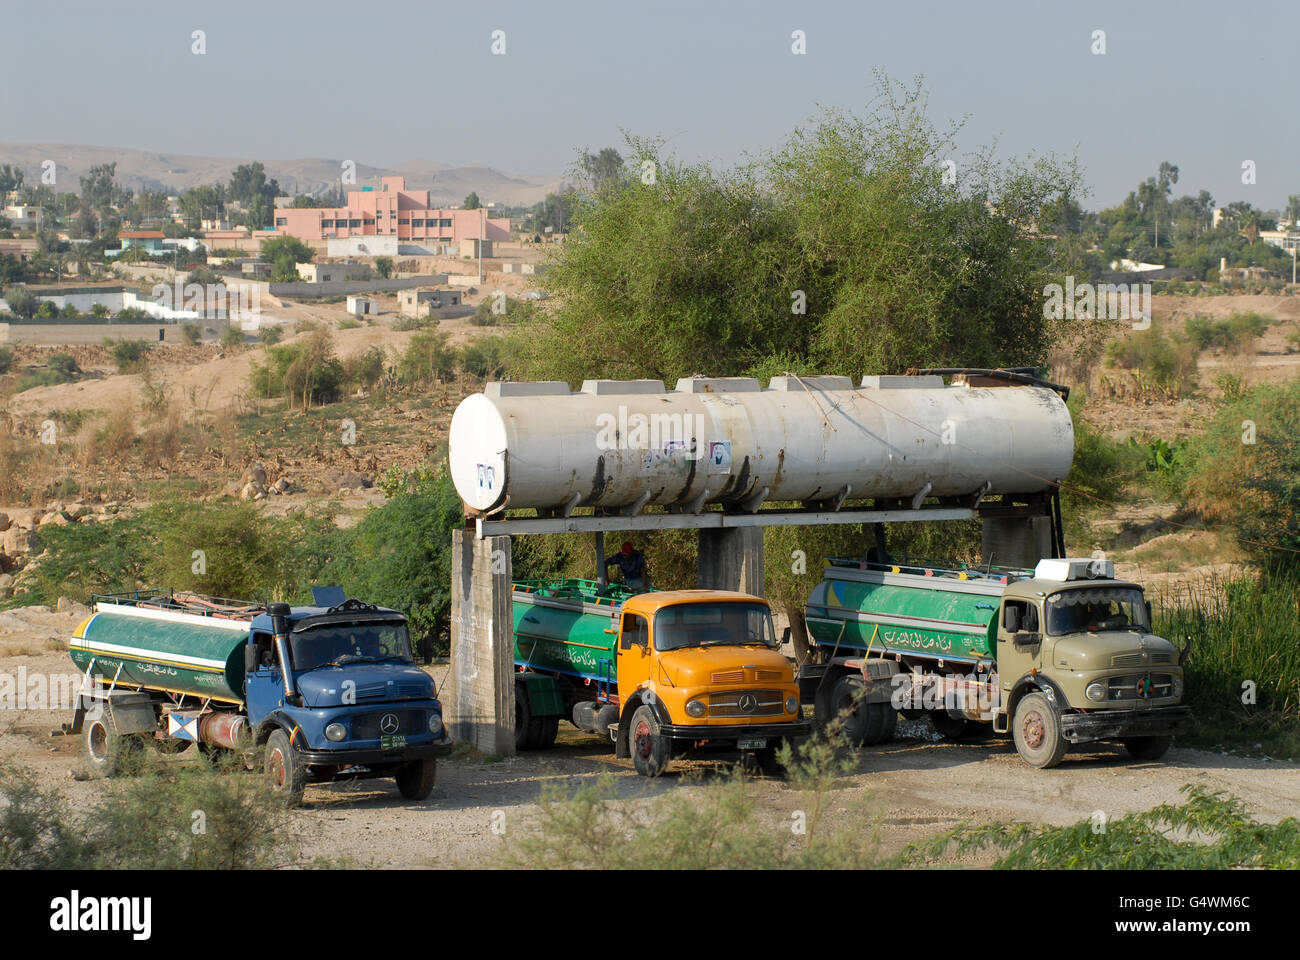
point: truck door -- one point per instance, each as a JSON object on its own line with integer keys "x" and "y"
{"x": 1020, "y": 641}
{"x": 633, "y": 654}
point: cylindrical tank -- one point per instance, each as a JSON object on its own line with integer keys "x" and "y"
{"x": 559, "y": 626}
{"x": 929, "y": 612}
{"x": 164, "y": 650}
{"x": 632, "y": 443}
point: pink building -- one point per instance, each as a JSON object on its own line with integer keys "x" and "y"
{"x": 392, "y": 210}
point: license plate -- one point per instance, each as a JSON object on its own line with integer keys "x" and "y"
{"x": 752, "y": 744}
{"x": 392, "y": 741}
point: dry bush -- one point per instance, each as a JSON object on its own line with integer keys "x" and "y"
{"x": 117, "y": 435}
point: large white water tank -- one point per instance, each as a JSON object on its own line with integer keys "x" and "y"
{"x": 626, "y": 444}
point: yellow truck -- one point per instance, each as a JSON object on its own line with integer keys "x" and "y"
{"x": 661, "y": 673}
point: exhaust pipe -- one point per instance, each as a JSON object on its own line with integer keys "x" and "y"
{"x": 280, "y": 629}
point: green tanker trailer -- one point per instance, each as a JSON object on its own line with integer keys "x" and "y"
{"x": 1057, "y": 655}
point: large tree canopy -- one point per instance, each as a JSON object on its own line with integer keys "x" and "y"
{"x": 856, "y": 248}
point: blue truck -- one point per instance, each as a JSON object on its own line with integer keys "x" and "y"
{"x": 330, "y": 691}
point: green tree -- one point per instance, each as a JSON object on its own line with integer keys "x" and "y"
{"x": 294, "y": 249}
{"x": 384, "y": 266}
{"x": 846, "y": 251}
{"x": 471, "y": 202}
{"x": 11, "y": 178}
{"x": 22, "y": 302}
{"x": 603, "y": 169}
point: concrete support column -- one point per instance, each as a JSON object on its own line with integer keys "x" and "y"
{"x": 1016, "y": 541}
{"x": 731, "y": 558}
{"x": 482, "y": 643}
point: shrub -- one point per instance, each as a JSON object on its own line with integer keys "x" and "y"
{"x": 1207, "y": 831}
{"x": 98, "y": 310}
{"x": 232, "y": 336}
{"x": 6, "y": 359}
{"x": 1236, "y": 333}
{"x": 59, "y": 368}
{"x": 70, "y": 311}
{"x": 1163, "y": 367}
{"x": 270, "y": 335}
{"x": 191, "y": 333}
{"x": 485, "y": 358}
{"x": 364, "y": 370}
{"x": 46, "y": 310}
{"x": 130, "y": 355}
{"x": 21, "y": 301}
{"x": 1244, "y": 470}
{"x": 427, "y": 357}
{"x": 305, "y": 372}
{"x": 131, "y": 313}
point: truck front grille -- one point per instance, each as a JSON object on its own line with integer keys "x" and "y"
{"x": 1140, "y": 686}
{"x": 367, "y": 725}
{"x": 747, "y": 703}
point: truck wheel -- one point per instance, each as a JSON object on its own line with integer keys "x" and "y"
{"x": 550, "y": 729}
{"x": 1148, "y": 748}
{"x": 285, "y": 768}
{"x": 882, "y": 722}
{"x": 107, "y": 751}
{"x": 528, "y": 729}
{"x": 948, "y": 726}
{"x": 1037, "y": 731}
{"x": 415, "y": 779}
{"x": 650, "y": 751}
{"x": 846, "y": 704}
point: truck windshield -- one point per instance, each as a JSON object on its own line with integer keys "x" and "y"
{"x": 337, "y": 644}
{"x": 1096, "y": 608}
{"x": 713, "y": 624}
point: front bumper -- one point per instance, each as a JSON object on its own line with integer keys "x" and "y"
{"x": 1084, "y": 727}
{"x": 749, "y": 731}
{"x": 369, "y": 757}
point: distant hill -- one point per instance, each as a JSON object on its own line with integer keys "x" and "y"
{"x": 174, "y": 172}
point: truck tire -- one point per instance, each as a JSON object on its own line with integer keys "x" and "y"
{"x": 550, "y": 729}
{"x": 528, "y": 729}
{"x": 1037, "y": 732}
{"x": 882, "y": 722}
{"x": 948, "y": 726}
{"x": 650, "y": 751}
{"x": 108, "y": 752}
{"x": 415, "y": 780}
{"x": 1148, "y": 748}
{"x": 846, "y": 705}
{"x": 285, "y": 768}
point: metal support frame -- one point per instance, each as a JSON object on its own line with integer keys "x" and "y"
{"x": 712, "y": 519}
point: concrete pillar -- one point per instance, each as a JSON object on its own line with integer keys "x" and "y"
{"x": 1016, "y": 541}
{"x": 482, "y": 643}
{"x": 731, "y": 558}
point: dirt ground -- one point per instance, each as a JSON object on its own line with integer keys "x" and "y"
{"x": 904, "y": 791}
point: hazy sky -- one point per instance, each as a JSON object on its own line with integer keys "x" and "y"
{"x": 1199, "y": 84}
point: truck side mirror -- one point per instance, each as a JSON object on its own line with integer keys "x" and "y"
{"x": 250, "y": 658}
{"x": 1150, "y": 618}
{"x": 785, "y": 636}
{"x": 1011, "y": 619}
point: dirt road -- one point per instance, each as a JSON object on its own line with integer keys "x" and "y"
{"x": 907, "y": 790}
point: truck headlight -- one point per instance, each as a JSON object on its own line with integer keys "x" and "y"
{"x": 1096, "y": 690}
{"x": 696, "y": 708}
{"x": 435, "y": 724}
{"x": 1178, "y": 685}
{"x": 791, "y": 704}
{"x": 335, "y": 732}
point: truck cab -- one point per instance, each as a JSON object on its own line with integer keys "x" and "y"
{"x": 701, "y": 668}
{"x": 1077, "y": 661}
{"x": 334, "y": 693}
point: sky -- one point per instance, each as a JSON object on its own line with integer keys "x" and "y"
{"x": 1199, "y": 84}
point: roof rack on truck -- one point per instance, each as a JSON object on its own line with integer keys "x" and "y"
{"x": 838, "y": 568}
{"x": 224, "y": 608}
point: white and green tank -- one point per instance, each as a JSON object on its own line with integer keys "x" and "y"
{"x": 201, "y": 654}
{"x": 911, "y": 609}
